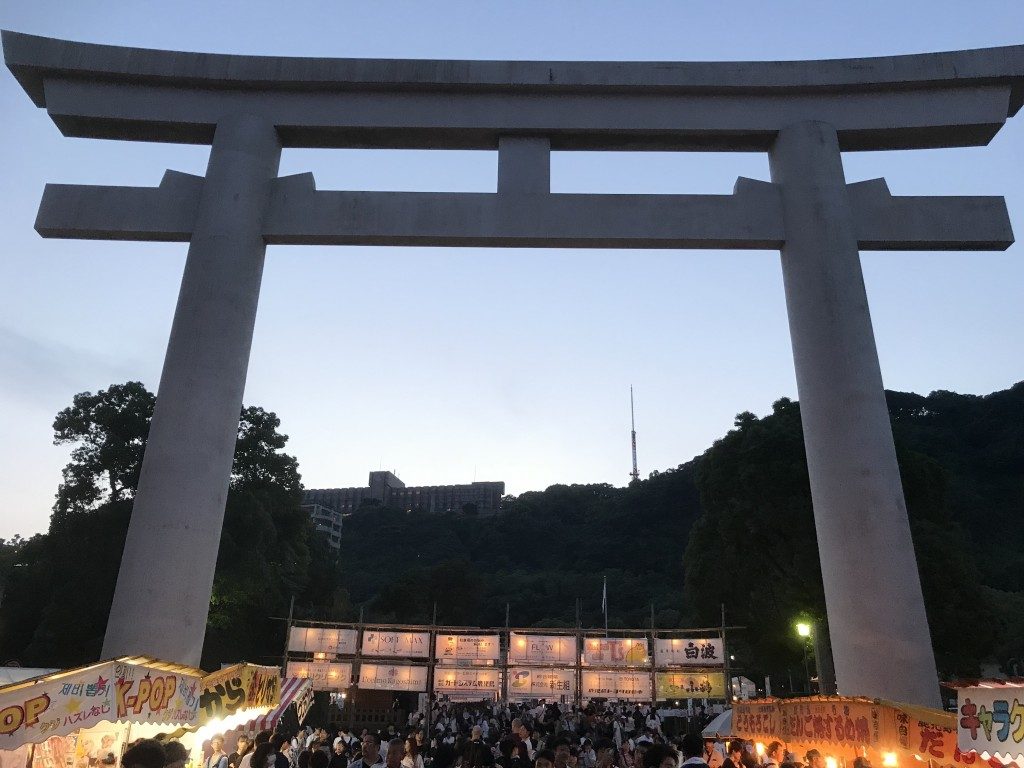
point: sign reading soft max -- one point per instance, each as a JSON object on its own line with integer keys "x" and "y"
{"x": 65, "y": 702}
{"x": 237, "y": 688}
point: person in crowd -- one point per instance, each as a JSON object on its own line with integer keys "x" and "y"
{"x": 524, "y": 745}
{"x": 604, "y": 749}
{"x": 693, "y": 751}
{"x": 371, "y": 752}
{"x": 395, "y": 753}
{"x": 144, "y": 753}
{"x": 263, "y": 756}
{"x": 444, "y": 757}
{"x": 545, "y": 759}
{"x": 813, "y": 759}
{"x": 639, "y": 750}
{"x": 774, "y": 755}
{"x": 734, "y": 754}
{"x": 713, "y": 755}
{"x": 318, "y": 759}
{"x": 304, "y": 757}
{"x": 339, "y": 754}
{"x": 242, "y": 747}
{"x": 175, "y": 755}
{"x": 588, "y": 758}
{"x": 507, "y": 757}
{"x": 476, "y": 754}
{"x": 661, "y": 756}
{"x": 412, "y": 757}
{"x": 562, "y": 751}
{"x": 218, "y": 757}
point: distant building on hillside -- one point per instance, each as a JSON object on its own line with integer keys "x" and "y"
{"x": 387, "y": 490}
{"x": 327, "y": 521}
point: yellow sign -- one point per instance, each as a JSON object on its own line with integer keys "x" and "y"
{"x": 684, "y": 685}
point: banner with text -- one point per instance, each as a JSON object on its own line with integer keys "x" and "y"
{"x": 485, "y": 681}
{"x": 533, "y": 683}
{"x": 624, "y": 686}
{"x": 541, "y": 649}
{"x": 335, "y": 642}
{"x": 393, "y": 677}
{"x": 475, "y": 647}
{"x": 66, "y": 702}
{"x": 238, "y": 688}
{"x": 689, "y": 651}
{"x": 324, "y": 675}
{"x": 615, "y": 652}
{"x": 686, "y": 685}
{"x": 414, "y": 644}
{"x": 991, "y": 719}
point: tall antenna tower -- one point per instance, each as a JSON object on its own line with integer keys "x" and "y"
{"x": 635, "y": 474}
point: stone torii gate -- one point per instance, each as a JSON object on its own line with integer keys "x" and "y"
{"x": 803, "y": 114}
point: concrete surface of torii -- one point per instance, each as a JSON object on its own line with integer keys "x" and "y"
{"x": 803, "y": 114}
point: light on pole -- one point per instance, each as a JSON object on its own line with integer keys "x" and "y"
{"x": 803, "y": 630}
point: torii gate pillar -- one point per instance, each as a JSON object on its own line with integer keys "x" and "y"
{"x": 187, "y": 466}
{"x": 876, "y": 613}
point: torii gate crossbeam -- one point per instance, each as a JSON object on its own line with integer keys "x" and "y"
{"x": 803, "y": 114}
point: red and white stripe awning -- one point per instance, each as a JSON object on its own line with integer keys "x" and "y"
{"x": 294, "y": 690}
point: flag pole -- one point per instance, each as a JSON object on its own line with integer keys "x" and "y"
{"x": 604, "y": 604}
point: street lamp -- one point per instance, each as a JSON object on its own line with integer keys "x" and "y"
{"x": 803, "y": 630}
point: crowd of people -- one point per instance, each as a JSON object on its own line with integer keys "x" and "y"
{"x": 488, "y": 736}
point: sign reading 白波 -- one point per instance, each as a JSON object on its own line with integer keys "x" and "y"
{"x": 332, "y": 641}
{"x": 413, "y": 644}
{"x": 541, "y": 649}
{"x": 615, "y": 651}
{"x": 689, "y": 651}
{"x": 458, "y": 647}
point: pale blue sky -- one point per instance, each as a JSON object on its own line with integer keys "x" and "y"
{"x": 500, "y": 364}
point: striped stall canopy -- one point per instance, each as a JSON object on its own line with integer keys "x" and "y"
{"x": 294, "y": 690}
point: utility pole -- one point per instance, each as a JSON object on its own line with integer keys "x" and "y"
{"x": 287, "y": 637}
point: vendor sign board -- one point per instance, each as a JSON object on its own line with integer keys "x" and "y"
{"x": 324, "y": 675}
{"x": 541, "y": 649}
{"x": 393, "y": 677}
{"x": 615, "y": 652}
{"x": 327, "y": 640}
{"x": 237, "y": 688}
{"x": 414, "y": 644}
{"x": 689, "y": 652}
{"x": 461, "y": 647}
{"x": 991, "y": 720}
{"x": 534, "y": 683}
{"x": 485, "y": 681}
{"x": 687, "y": 685}
{"x": 64, "y": 702}
{"x": 624, "y": 686}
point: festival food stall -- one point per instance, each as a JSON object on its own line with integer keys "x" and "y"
{"x": 842, "y": 729}
{"x": 232, "y": 697}
{"x": 990, "y": 716}
{"x": 84, "y": 717}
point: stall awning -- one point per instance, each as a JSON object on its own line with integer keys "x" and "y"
{"x": 131, "y": 689}
{"x": 294, "y": 690}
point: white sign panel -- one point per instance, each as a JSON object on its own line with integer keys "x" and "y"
{"x": 414, "y": 644}
{"x": 533, "y": 683}
{"x": 484, "y": 681}
{"x": 625, "y": 686}
{"x": 541, "y": 649}
{"x": 689, "y": 651}
{"x": 393, "y": 677}
{"x": 324, "y": 675}
{"x": 615, "y": 651}
{"x": 334, "y": 642}
{"x": 990, "y": 721}
{"x": 459, "y": 647}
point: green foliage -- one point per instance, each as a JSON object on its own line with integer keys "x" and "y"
{"x": 58, "y": 586}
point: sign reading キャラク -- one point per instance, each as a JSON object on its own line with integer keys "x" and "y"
{"x": 615, "y": 651}
{"x": 413, "y": 644}
{"x": 689, "y": 651}
{"x": 475, "y": 647}
{"x": 541, "y": 649}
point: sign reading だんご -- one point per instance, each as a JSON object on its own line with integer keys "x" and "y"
{"x": 65, "y": 702}
{"x": 541, "y": 649}
{"x": 477, "y": 647}
{"x": 414, "y": 644}
{"x": 689, "y": 651}
{"x": 680, "y": 685}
